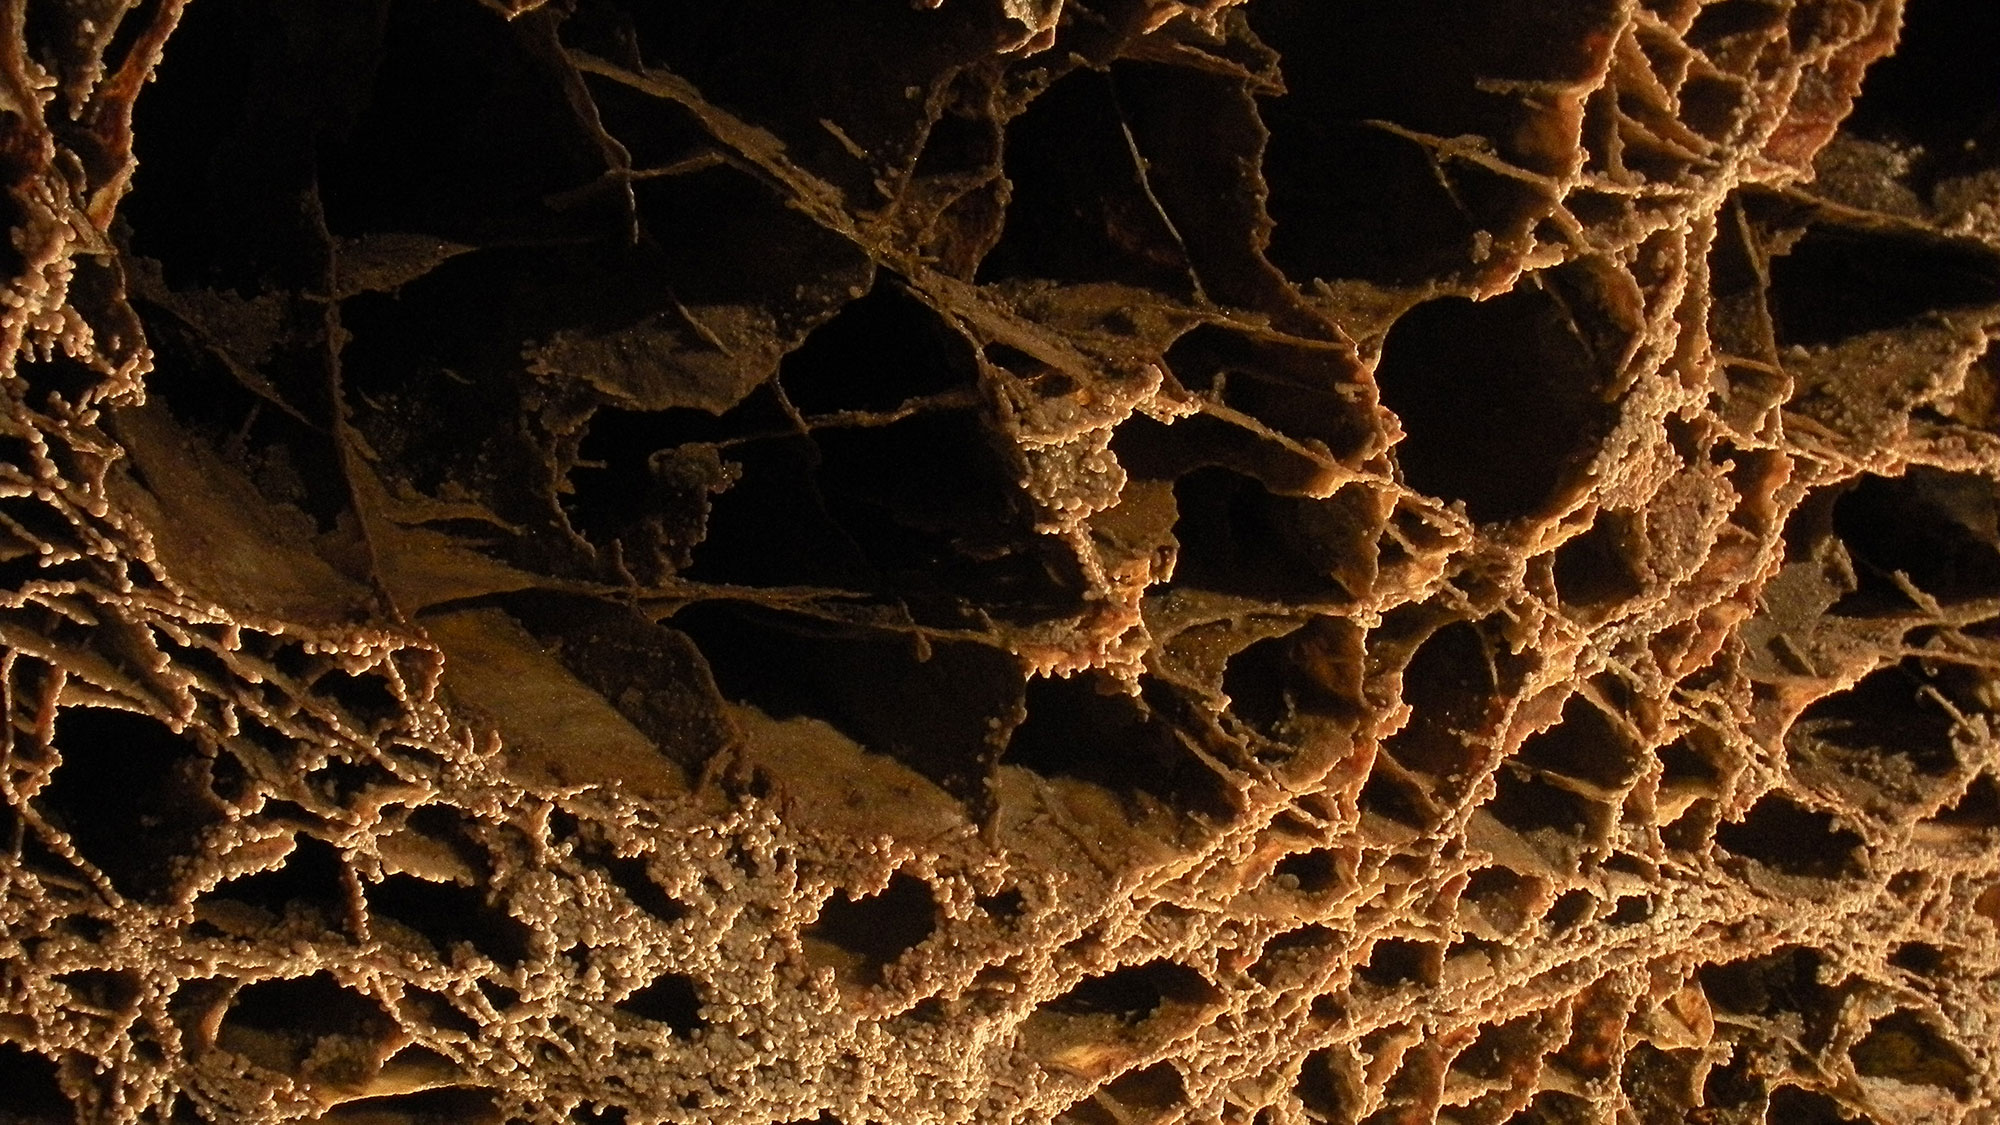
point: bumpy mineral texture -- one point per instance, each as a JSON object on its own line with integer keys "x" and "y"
{"x": 1113, "y": 562}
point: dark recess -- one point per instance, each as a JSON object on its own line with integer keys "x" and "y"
{"x": 1499, "y": 398}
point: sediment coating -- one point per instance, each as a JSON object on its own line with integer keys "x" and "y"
{"x": 1118, "y": 563}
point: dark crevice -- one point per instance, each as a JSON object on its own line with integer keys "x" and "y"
{"x": 1939, "y": 529}
{"x": 878, "y": 929}
{"x": 876, "y": 354}
{"x": 1787, "y": 838}
{"x": 671, "y": 999}
{"x": 1906, "y": 1047}
{"x": 925, "y": 706}
{"x": 1086, "y": 726}
{"x": 1585, "y": 745}
{"x": 1511, "y": 381}
{"x": 1134, "y": 993}
{"x": 1080, "y": 211}
{"x": 1394, "y": 962}
{"x": 1887, "y": 730}
{"x": 446, "y": 914}
{"x": 313, "y": 879}
{"x": 1449, "y": 685}
{"x": 132, "y": 796}
{"x": 33, "y": 1090}
{"x": 1601, "y": 567}
{"x": 1840, "y": 282}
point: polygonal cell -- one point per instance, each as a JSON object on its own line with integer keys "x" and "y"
{"x": 313, "y": 879}
{"x": 1515, "y": 381}
{"x": 1506, "y": 1048}
{"x": 1393, "y": 808}
{"x": 651, "y": 673}
{"x": 103, "y": 990}
{"x": 293, "y": 1023}
{"x": 1305, "y": 673}
{"x": 366, "y": 696}
{"x": 1598, "y": 1019}
{"x": 33, "y": 1093}
{"x": 1296, "y": 954}
{"x": 876, "y": 354}
{"x": 1088, "y": 727}
{"x": 725, "y": 240}
{"x": 1195, "y": 131}
{"x": 1783, "y": 836}
{"x": 656, "y": 132}
{"x": 645, "y": 482}
{"x": 1733, "y": 1090}
{"x": 1395, "y": 962}
{"x": 932, "y": 707}
{"x": 1236, "y": 536}
{"x": 1350, "y": 198}
{"x": 1449, "y": 685}
{"x": 937, "y": 511}
{"x": 1906, "y": 1047}
{"x": 1571, "y": 909}
{"x": 1558, "y": 821}
{"x": 1940, "y": 529}
{"x": 1312, "y": 394}
{"x": 1601, "y": 566}
{"x": 1148, "y": 1092}
{"x": 436, "y": 1012}
{"x": 131, "y": 795}
{"x": 1723, "y": 22}
{"x": 867, "y": 935}
{"x": 1682, "y": 765}
{"x": 632, "y": 875}
{"x": 1921, "y": 958}
{"x": 1005, "y": 906}
{"x": 671, "y": 999}
{"x": 446, "y": 914}
{"x": 769, "y": 527}
{"x": 1789, "y": 983}
{"x": 1135, "y": 993}
{"x": 1329, "y": 1087}
{"x": 1082, "y": 209}
{"x": 1412, "y": 1092}
{"x": 1504, "y": 900}
{"x": 1658, "y": 1084}
{"x": 1839, "y": 282}
{"x": 1586, "y": 745}
{"x": 1889, "y": 732}
{"x": 1314, "y": 872}
{"x": 453, "y": 829}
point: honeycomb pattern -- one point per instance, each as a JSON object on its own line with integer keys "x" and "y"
{"x": 1113, "y": 562}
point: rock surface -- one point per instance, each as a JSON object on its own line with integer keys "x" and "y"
{"x": 1113, "y": 561}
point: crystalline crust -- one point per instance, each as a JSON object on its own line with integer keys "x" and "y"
{"x": 1113, "y": 562}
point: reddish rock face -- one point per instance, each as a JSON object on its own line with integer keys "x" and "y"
{"x": 1112, "y": 562}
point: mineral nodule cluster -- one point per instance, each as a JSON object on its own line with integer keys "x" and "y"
{"x": 1111, "y": 562}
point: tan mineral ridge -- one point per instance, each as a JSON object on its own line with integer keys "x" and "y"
{"x": 1101, "y": 561}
